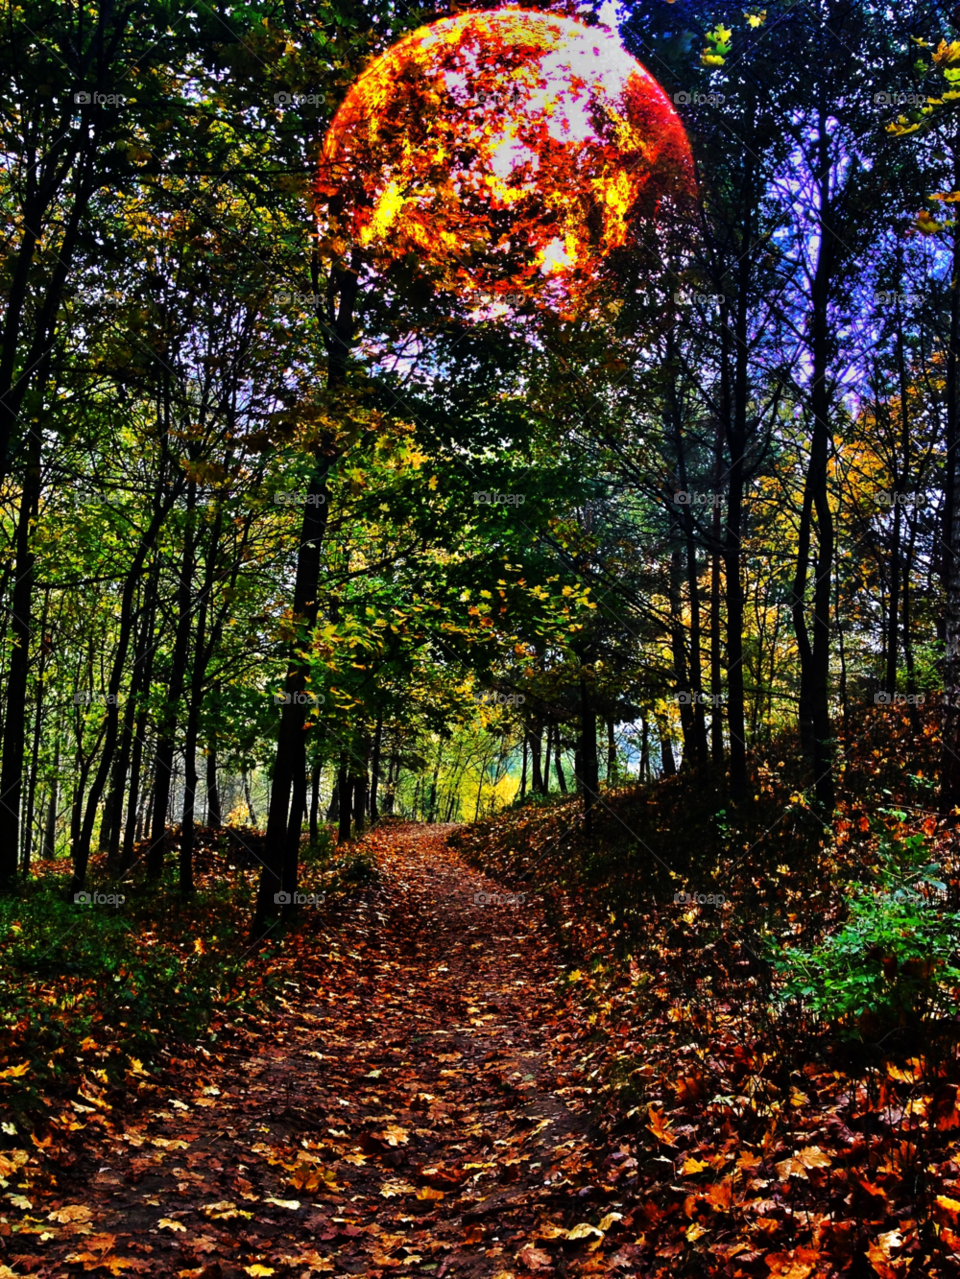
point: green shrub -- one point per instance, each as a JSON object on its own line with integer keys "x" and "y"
{"x": 893, "y": 962}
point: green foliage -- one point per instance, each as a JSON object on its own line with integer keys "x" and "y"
{"x": 104, "y": 973}
{"x": 893, "y": 962}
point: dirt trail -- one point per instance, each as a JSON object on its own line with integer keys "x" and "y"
{"x": 403, "y": 1112}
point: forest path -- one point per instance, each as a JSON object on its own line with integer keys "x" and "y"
{"x": 403, "y": 1111}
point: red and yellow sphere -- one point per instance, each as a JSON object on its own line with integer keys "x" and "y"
{"x": 511, "y": 151}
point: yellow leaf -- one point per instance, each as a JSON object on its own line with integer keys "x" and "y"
{"x": 927, "y": 224}
{"x": 429, "y": 1193}
{"x": 12, "y": 1072}
{"x": 813, "y": 1157}
{"x": 257, "y": 1269}
{"x": 165, "y": 1223}
{"x": 550, "y": 1231}
{"x": 584, "y": 1230}
{"x": 70, "y": 1212}
{"x": 947, "y": 52}
{"x": 292, "y": 1204}
{"x": 694, "y": 1165}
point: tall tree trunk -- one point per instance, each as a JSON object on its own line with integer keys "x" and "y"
{"x": 11, "y": 773}
{"x": 198, "y": 676}
{"x": 523, "y": 770}
{"x": 248, "y": 798}
{"x": 950, "y": 541}
{"x": 27, "y": 850}
{"x": 333, "y": 808}
{"x": 50, "y": 829}
{"x": 588, "y": 746}
{"x": 290, "y": 762}
{"x": 735, "y": 425}
{"x": 546, "y": 759}
{"x": 141, "y": 672}
{"x": 558, "y": 768}
{"x": 668, "y": 765}
{"x": 375, "y": 769}
{"x": 315, "y": 803}
{"x": 678, "y": 646}
{"x": 167, "y": 728}
{"x": 611, "y": 753}
{"x": 431, "y": 811}
{"x": 345, "y": 789}
{"x": 536, "y": 751}
{"x": 214, "y": 814}
{"x": 716, "y": 580}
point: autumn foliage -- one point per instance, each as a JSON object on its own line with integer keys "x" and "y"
{"x": 508, "y": 151}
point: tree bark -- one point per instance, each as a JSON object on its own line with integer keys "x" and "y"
{"x": 11, "y": 773}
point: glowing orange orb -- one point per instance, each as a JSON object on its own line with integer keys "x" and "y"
{"x": 510, "y": 151}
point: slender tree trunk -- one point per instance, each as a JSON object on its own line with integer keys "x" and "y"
{"x": 523, "y": 770}
{"x": 375, "y": 769}
{"x": 536, "y": 752}
{"x": 290, "y": 760}
{"x": 558, "y": 768}
{"x": 716, "y": 580}
{"x": 50, "y": 829}
{"x": 345, "y": 788}
{"x": 546, "y": 760}
{"x": 248, "y": 799}
{"x": 198, "y": 676}
{"x": 315, "y": 803}
{"x": 950, "y": 541}
{"x": 735, "y": 424}
{"x": 11, "y": 773}
{"x": 611, "y": 753}
{"x": 588, "y": 747}
{"x": 431, "y": 811}
{"x": 214, "y": 814}
{"x": 333, "y": 809}
{"x": 684, "y": 693}
{"x": 668, "y": 765}
{"x": 167, "y": 730}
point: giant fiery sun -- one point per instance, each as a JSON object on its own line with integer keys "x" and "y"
{"x": 511, "y": 151}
